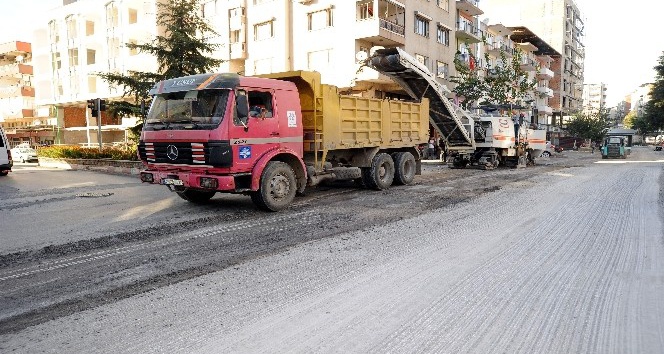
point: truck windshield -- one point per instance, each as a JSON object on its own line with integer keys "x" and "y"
{"x": 201, "y": 107}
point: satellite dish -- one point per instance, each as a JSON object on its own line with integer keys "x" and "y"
{"x": 361, "y": 56}
{"x": 374, "y": 49}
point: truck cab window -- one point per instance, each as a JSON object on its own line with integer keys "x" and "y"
{"x": 260, "y": 104}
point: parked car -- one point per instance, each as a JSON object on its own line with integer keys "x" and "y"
{"x": 550, "y": 149}
{"x": 24, "y": 154}
{"x": 6, "y": 161}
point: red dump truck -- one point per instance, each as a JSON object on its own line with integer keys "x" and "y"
{"x": 270, "y": 137}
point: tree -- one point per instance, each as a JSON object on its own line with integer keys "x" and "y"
{"x": 182, "y": 50}
{"x": 504, "y": 84}
{"x": 628, "y": 122}
{"x": 507, "y": 83}
{"x": 653, "y": 110}
{"x": 591, "y": 126}
{"x": 470, "y": 87}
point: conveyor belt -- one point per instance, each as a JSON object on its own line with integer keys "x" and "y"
{"x": 454, "y": 124}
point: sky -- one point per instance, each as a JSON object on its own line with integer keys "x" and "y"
{"x": 622, "y": 38}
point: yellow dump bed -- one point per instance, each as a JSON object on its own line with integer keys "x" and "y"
{"x": 332, "y": 121}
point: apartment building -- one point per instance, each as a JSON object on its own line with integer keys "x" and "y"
{"x": 17, "y": 94}
{"x": 333, "y": 36}
{"x": 537, "y": 61}
{"x": 594, "y": 97}
{"x": 560, "y": 24}
{"x": 76, "y": 42}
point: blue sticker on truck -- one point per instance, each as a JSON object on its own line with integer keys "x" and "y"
{"x": 245, "y": 152}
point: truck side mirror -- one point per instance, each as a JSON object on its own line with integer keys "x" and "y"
{"x": 242, "y": 106}
{"x": 242, "y": 109}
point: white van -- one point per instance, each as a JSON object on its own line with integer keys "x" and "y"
{"x": 6, "y": 162}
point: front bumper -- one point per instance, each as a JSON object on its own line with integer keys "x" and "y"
{"x": 188, "y": 180}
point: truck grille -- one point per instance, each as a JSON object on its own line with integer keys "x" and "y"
{"x": 215, "y": 153}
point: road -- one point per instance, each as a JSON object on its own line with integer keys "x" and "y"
{"x": 563, "y": 257}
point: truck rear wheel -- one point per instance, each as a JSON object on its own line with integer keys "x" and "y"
{"x": 381, "y": 173}
{"x": 404, "y": 167}
{"x": 277, "y": 187}
{"x": 195, "y": 196}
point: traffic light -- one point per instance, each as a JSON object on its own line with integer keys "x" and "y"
{"x": 102, "y": 104}
{"x": 92, "y": 104}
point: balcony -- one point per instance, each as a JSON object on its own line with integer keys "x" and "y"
{"x": 237, "y": 22}
{"x": 238, "y": 50}
{"x": 469, "y": 7}
{"x": 545, "y": 109}
{"x": 528, "y": 64}
{"x": 495, "y": 49}
{"x": 382, "y": 32}
{"x": 545, "y": 91}
{"x": 15, "y": 71}
{"x": 467, "y": 32}
{"x": 545, "y": 73}
{"x": 384, "y": 27}
{"x": 17, "y": 91}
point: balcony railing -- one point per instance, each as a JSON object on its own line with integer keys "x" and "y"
{"x": 468, "y": 32}
{"x": 545, "y": 109}
{"x": 545, "y": 73}
{"x": 545, "y": 91}
{"x": 392, "y": 27}
{"x": 15, "y": 70}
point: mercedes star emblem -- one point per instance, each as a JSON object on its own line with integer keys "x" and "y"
{"x": 172, "y": 152}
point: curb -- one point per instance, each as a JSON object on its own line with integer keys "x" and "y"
{"x": 117, "y": 167}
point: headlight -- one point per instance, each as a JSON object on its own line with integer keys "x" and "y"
{"x": 147, "y": 177}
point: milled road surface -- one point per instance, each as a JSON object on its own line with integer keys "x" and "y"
{"x": 566, "y": 257}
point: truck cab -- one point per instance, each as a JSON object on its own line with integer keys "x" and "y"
{"x": 614, "y": 147}
{"x": 217, "y": 132}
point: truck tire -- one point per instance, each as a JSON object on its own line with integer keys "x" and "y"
{"x": 381, "y": 173}
{"x": 277, "y": 187}
{"x": 196, "y": 196}
{"x": 404, "y": 168}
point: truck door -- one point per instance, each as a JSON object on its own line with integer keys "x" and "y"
{"x": 252, "y": 137}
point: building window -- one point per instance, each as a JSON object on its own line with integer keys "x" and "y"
{"x": 133, "y": 50}
{"x": 92, "y": 84}
{"x": 132, "y": 16}
{"x": 365, "y": 10}
{"x": 71, "y": 27}
{"x": 443, "y": 36}
{"x": 444, "y": 4}
{"x": 442, "y": 70}
{"x": 89, "y": 28}
{"x": 73, "y": 57}
{"x": 57, "y": 63}
{"x": 320, "y": 19}
{"x": 111, "y": 15}
{"x": 92, "y": 56}
{"x": 319, "y": 59}
{"x": 421, "y": 26}
{"x": 54, "y": 32}
{"x": 263, "y": 30}
{"x": 234, "y": 37}
{"x": 423, "y": 59}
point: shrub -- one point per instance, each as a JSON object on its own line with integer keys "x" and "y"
{"x": 127, "y": 152}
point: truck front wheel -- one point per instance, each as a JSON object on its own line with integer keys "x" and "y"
{"x": 195, "y": 196}
{"x": 404, "y": 167}
{"x": 277, "y": 187}
{"x": 381, "y": 173}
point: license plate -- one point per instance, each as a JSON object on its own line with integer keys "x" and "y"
{"x": 172, "y": 182}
